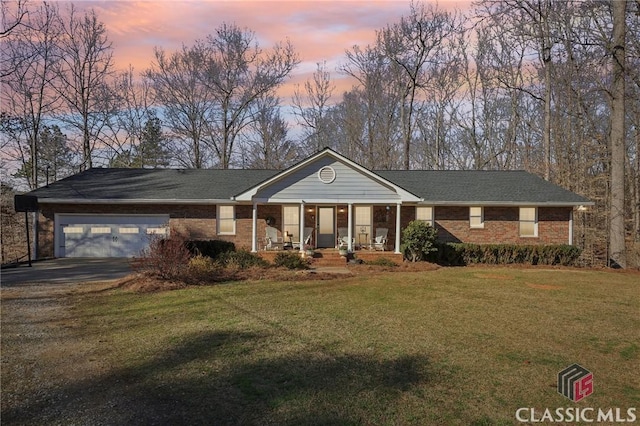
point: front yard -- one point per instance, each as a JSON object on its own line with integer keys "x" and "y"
{"x": 451, "y": 346}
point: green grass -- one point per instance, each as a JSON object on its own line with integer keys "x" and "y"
{"x": 452, "y": 346}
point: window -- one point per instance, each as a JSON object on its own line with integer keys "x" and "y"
{"x": 226, "y": 220}
{"x": 363, "y": 224}
{"x": 425, "y": 214}
{"x": 476, "y": 217}
{"x": 528, "y": 222}
{"x": 291, "y": 222}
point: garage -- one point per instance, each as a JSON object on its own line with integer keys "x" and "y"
{"x": 106, "y": 235}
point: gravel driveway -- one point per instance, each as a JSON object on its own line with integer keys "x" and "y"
{"x": 44, "y": 352}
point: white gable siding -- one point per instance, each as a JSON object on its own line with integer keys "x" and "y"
{"x": 349, "y": 186}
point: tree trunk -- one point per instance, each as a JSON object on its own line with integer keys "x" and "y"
{"x": 617, "y": 255}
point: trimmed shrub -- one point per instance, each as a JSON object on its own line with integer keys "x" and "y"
{"x": 290, "y": 260}
{"x": 166, "y": 258}
{"x": 241, "y": 259}
{"x": 459, "y": 254}
{"x": 418, "y": 240}
{"x": 210, "y": 248}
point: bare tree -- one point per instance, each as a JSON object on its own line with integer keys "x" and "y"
{"x": 30, "y": 54}
{"x": 238, "y": 73}
{"x": 13, "y": 15}
{"x": 311, "y": 107}
{"x": 617, "y": 233}
{"x": 85, "y": 65}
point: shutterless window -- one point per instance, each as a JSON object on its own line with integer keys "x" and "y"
{"x": 291, "y": 222}
{"x": 476, "y": 217}
{"x": 363, "y": 224}
{"x": 528, "y": 222}
{"x": 226, "y": 220}
{"x": 425, "y": 214}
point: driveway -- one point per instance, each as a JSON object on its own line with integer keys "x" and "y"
{"x": 68, "y": 270}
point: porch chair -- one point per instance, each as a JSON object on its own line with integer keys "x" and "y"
{"x": 343, "y": 238}
{"x": 308, "y": 234}
{"x": 272, "y": 240}
{"x": 380, "y": 240}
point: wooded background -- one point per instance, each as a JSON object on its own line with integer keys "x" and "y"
{"x": 551, "y": 87}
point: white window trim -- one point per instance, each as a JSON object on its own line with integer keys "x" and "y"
{"x": 481, "y": 225}
{"x": 218, "y": 220}
{"x": 431, "y": 221}
{"x": 535, "y": 222}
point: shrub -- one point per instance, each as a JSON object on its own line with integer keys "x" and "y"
{"x": 382, "y": 261}
{"x": 241, "y": 259}
{"x": 210, "y": 248}
{"x": 457, "y": 254}
{"x": 290, "y": 260}
{"x": 418, "y": 240}
{"x": 202, "y": 268}
{"x": 166, "y": 258}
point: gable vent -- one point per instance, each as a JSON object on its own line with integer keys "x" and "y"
{"x": 327, "y": 174}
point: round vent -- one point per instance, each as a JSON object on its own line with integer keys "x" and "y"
{"x": 327, "y": 174}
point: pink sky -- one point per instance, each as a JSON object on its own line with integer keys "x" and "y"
{"x": 319, "y": 30}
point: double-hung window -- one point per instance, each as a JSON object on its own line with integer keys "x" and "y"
{"x": 226, "y": 220}
{"x": 363, "y": 224}
{"x": 291, "y": 223}
{"x": 528, "y": 222}
{"x": 476, "y": 217}
{"x": 425, "y": 214}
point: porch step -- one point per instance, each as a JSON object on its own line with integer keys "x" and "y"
{"x": 328, "y": 258}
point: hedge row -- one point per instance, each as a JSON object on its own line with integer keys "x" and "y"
{"x": 460, "y": 254}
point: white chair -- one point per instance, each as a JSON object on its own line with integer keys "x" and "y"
{"x": 343, "y": 238}
{"x": 380, "y": 240}
{"x": 308, "y": 234}
{"x": 272, "y": 240}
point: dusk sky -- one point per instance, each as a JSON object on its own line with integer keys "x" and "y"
{"x": 318, "y": 30}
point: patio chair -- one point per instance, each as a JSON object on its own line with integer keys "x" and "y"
{"x": 272, "y": 240}
{"x": 343, "y": 238}
{"x": 308, "y": 235}
{"x": 380, "y": 240}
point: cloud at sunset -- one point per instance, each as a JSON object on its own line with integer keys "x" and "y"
{"x": 319, "y": 30}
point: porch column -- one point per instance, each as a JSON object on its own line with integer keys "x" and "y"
{"x": 301, "y": 227}
{"x": 398, "y": 210}
{"x": 350, "y": 227}
{"x": 254, "y": 228}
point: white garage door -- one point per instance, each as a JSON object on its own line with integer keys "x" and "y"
{"x": 106, "y": 235}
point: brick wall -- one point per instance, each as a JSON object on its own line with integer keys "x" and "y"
{"x": 198, "y": 222}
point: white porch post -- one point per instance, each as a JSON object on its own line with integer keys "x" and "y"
{"x": 571, "y": 227}
{"x": 350, "y": 228}
{"x": 398, "y": 210}
{"x": 254, "y": 228}
{"x": 301, "y": 227}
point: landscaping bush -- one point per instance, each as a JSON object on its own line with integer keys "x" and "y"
{"x": 382, "y": 261}
{"x": 290, "y": 260}
{"x": 241, "y": 259}
{"x": 459, "y": 254}
{"x": 418, "y": 240}
{"x": 202, "y": 269}
{"x": 210, "y": 248}
{"x": 166, "y": 258}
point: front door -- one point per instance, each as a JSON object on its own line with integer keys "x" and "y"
{"x": 326, "y": 227}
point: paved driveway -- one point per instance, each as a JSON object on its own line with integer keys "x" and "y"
{"x": 70, "y": 270}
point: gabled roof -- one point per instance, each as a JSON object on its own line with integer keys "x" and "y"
{"x": 486, "y": 187}
{"x": 404, "y": 195}
{"x": 211, "y": 186}
{"x": 151, "y": 185}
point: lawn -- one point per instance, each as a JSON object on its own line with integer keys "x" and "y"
{"x": 462, "y": 346}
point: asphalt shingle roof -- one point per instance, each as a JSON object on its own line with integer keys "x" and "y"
{"x": 214, "y": 184}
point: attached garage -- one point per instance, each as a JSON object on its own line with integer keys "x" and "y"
{"x": 106, "y": 235}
